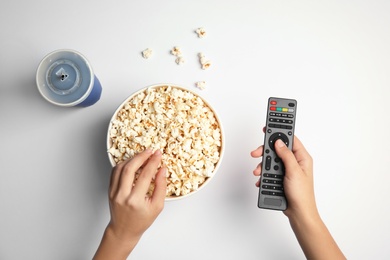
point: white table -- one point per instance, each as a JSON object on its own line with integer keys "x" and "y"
{"x": 333, "y": 57}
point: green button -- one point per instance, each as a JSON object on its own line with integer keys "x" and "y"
{"x": 278, "y": 109}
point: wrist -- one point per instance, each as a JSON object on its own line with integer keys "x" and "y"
{"x": 307, "y": 217}
{"x": 313, "y": 236}
{"x": 113, "y": 247}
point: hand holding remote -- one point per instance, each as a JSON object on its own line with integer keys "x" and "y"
{"x": 298, "y": 180}
{"x": 311, "y": 232}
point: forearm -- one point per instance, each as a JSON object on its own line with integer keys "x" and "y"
{"x": 315, "y": 238}
{"x": 113, "y": 248}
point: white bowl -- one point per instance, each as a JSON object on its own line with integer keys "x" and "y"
{"x": 221, "y": 149}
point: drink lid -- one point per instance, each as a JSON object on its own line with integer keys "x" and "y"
{"x": 65, "y": 78}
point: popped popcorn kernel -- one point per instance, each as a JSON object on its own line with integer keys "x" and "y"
{"x": 201, "y": 32}
{"x": 179, "y": 60}
{"x": 176, "y": 51}
{"x": 201, "y": 85}
{"x": 205, "y": 64}
{"x": 147, "y": 53}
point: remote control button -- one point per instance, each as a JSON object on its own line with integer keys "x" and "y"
{"x": 281, "y": 109}
{"x": 283, "y": 115}
{"x": 271, "y": 187}
{"x": 272, "y": 193}
{"x": 289, "y": 127}
{"x": 273, "y": 102}
{"x": 268, "y": 163}
{"x": 272, "y": 181}
{"x": 276, "y": 136}
{"x": 276, "y": 168}
{"x": 275, "y": 176}
{"x": 291, "y": 104}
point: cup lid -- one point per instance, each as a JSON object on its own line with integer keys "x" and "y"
{"x": 65, "y": 78}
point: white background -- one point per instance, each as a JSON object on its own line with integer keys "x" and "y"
{"x": 332, "y": 56}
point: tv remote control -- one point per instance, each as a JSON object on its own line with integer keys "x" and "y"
{"x": 281, "y": 115}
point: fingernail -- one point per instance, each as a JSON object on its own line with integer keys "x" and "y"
{"x": 157, "y": 152}
{"x": 280, "y": 143}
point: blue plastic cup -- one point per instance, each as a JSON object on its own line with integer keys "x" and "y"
{"x": 65, "y": 78}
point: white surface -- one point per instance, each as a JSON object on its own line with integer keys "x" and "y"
{"x": 332, "y": 56}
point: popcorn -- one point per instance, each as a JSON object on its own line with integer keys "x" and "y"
{"x": 147, "y": 53}
{"x": 179, "y": 60}
{"x": 178, "y": 123}
{"x": 201, "y": 32}
{"x": 205, "y": 63}
{"x": 201, "y": 57}
{"x": 176, "y": 51}
{"x": 201, "y": 85}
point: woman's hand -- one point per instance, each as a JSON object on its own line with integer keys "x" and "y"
{"x": 132, "y": 210}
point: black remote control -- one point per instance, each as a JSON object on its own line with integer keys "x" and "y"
{"x": 281, "y": 114}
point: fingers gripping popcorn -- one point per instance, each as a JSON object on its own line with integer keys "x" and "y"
{"x": 177, "y": 122}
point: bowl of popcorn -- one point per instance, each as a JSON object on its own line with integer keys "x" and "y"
{"x": 181, "y": 124}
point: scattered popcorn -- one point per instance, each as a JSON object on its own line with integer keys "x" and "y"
{"x": 201, "y": 85}
{"x": 177, "y": 122}
{"x": 201, "y": 32}
{"x": 202, "y": 58}
{"x": 205, "y": 63}
{"x": 147, "y": 53}
{"x": 176, "y": 51}
{"x": 179, "y": 60}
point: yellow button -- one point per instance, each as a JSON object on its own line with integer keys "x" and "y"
{"x": 284, "y": 109}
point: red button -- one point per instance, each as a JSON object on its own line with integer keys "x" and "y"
{"x": 273, "y": 102}
{"x": 272, "y": 108}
